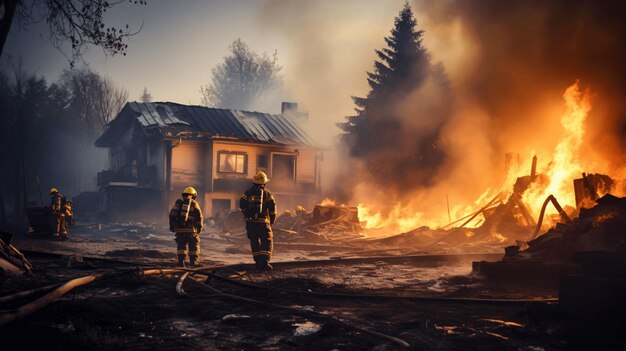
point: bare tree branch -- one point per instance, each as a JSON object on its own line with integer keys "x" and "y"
{"x": 81, "y": 22}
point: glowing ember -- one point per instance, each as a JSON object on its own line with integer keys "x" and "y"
{"x": 603, "y": 218}
{"x": 499, "y": 237}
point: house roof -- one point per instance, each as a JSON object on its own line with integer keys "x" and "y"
{"x": 170, "y": 119}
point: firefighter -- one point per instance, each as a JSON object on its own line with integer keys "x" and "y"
{"x": 69, "y": 212}
{"x": 186, "y": 222}
{"x": 58, "y": 212}
{"x": 259, "y": 209}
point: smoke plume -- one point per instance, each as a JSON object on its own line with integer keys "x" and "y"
{"x": 508, "y": 64}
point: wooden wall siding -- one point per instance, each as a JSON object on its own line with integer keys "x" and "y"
{"x": 127, "y": 137}
{"x": 231, "y": 196}
{"x": 282, "y": 185}
{"x": 117, "y": 153}
{"x": 306, "y": 161}
{"x": 231, "y": 185}
{"x": 207, "y": 172}
{"x": 187, "y": 165}
{"x": 306, "y": 166}
{"x": 156, "y": 159}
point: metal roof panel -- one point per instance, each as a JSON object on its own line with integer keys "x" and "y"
{"x": 243, "y": 125}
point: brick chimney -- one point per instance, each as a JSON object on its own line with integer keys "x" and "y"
{"x": 290, "y": 109}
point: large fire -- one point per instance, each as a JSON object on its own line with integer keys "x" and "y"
{"x": 559, "y": 167}
{"x": 565, "y": 163}
{"x": 400, "y": 217}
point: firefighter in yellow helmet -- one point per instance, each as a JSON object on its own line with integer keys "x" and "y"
{"x": 259, "y": 209}
{"x": 186, "y": 222}
{"x": 58, "y": 212}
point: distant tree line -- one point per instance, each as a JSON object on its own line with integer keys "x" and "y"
{"x": 47, "y": 130}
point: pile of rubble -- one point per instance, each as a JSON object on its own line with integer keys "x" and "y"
{"x": 325, "y": 223}
{"x": 586, "y": 259}
{"x": 12, "y": 262}
{"x": 506, "y": 219}
{"x": 597, "y": 229}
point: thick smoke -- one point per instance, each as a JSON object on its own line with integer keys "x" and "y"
{"x": 331, "y": 46}
{"x": 529, "y": 51}
{"x": 509, "y": 64}
{"x": 515, "y": 62}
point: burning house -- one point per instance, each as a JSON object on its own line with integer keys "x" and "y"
{"x": 158, "y": 149}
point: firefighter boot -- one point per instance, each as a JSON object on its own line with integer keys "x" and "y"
{"x": 193, "y": 261}
{"x": 259, "y": 265}
{"x": 267, "y": 266}
{"x": 263, "y": 265}
{"x": 181, "y": 261}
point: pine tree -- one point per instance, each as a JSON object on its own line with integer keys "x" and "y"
{"x": 145, "y": 95}
{"x": 377, "y": 133}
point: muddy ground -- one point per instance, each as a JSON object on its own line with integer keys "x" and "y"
{"x": 125, "y": 311}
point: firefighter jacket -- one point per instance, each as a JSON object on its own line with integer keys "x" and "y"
{"x": 257, "y": 205}
{"x": 68, "y": 209}
{"x": 186, "y": 216}
{"x": 57, "y": 204}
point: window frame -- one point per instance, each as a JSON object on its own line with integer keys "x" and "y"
{"x": 236, "y": 153}
{"x": 294, "y": 155}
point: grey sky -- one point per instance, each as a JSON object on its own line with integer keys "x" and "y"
{"x": 325, "y": 47}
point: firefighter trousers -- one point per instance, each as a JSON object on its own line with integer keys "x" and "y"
{"x": 191, "y": 240}
{"x": 59, "y": 226}
{"x": 261, "y": 241}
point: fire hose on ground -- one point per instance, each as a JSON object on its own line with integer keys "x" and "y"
{"x": 68, "y": 286}
{"x": 55, "y": 291}
{"x": 58, "y": 290}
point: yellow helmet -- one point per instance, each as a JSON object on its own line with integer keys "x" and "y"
{"x": 260, "y": 178}
{"x": 53, "y": 190}
{"x": 190, "y": 191}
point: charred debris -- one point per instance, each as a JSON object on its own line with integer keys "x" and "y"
{"x": 504, "y": 219}
{"x": 584, "y": 255}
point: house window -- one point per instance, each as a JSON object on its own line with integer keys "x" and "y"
{"x": 261, "y": 161}
{"x": 232, "y": 163}
{"x": 284, "y": 167}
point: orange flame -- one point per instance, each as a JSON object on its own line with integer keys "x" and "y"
{"x": 565, "y": 164}
{"x": 400, "y": 217}
{"x": 328, "y": 202}
{"x": 560, "y": 166}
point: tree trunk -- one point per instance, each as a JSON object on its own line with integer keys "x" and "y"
{"x": 5, "y": 22}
